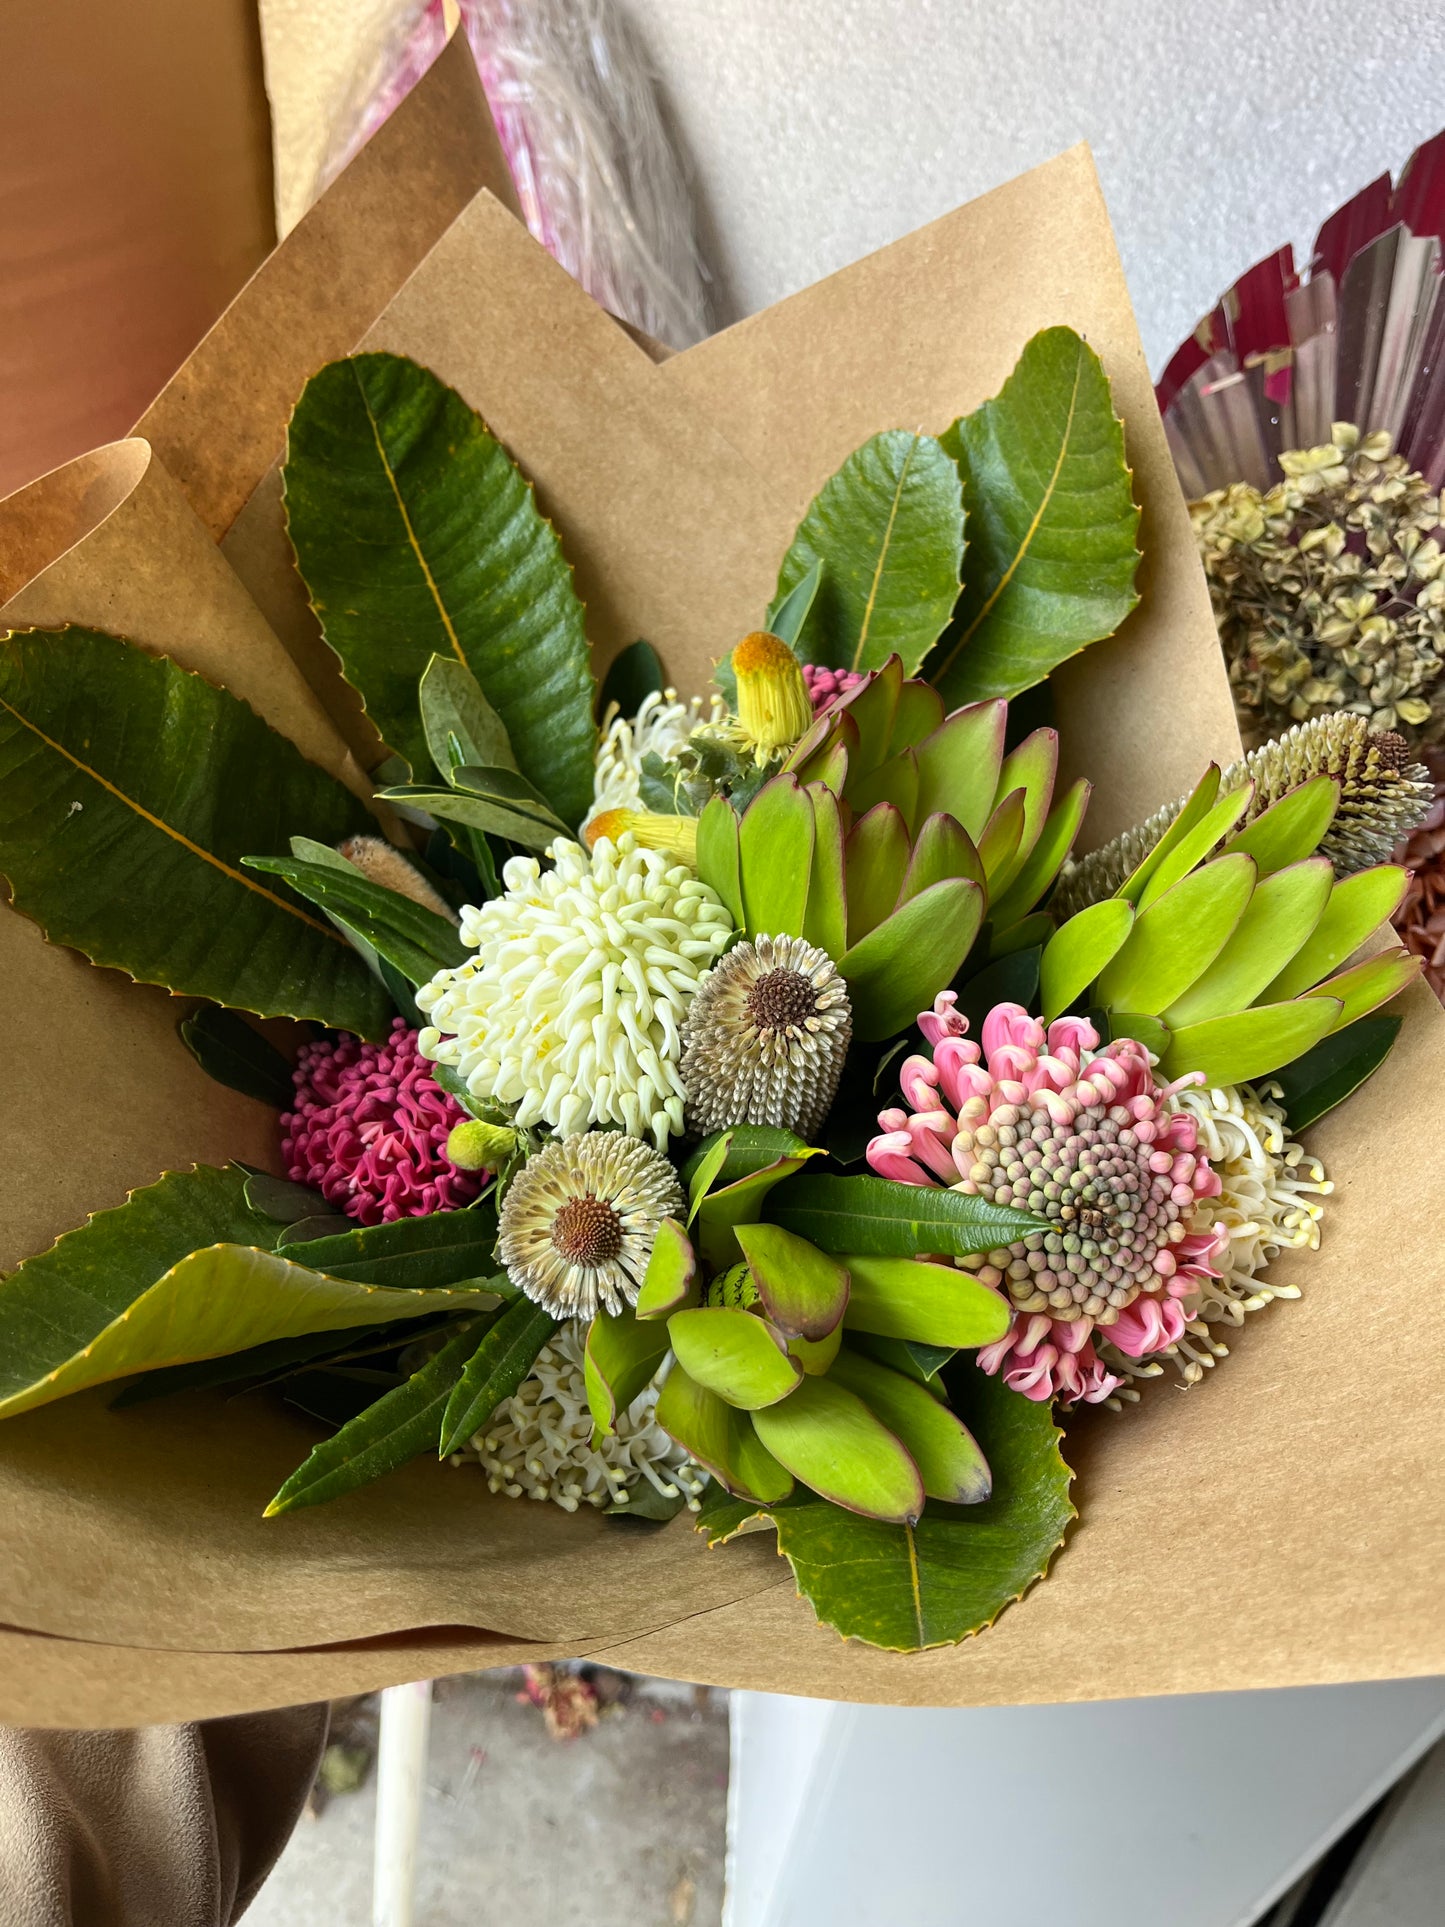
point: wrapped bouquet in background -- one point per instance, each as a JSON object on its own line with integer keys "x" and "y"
{"x": 1306, "y": 416}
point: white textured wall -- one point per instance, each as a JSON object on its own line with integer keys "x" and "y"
{"x": 820, "y": 129}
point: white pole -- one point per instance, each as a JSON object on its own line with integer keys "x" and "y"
{"x": 400, "y": 1774}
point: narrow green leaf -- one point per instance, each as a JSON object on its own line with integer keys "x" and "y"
{"x": 1079, "y": 952}
{"x": 1369, "y": 984}
{"x": 929, "y": 1304}
{"x": 444, "y": 1248}
{"x": 235, "y": 1054}
{"x": 906, "y": 1588}
{"x": 775, "y": 845}
{"x": 899, "y": 968}
{"x": 635, "y": 674}
{"x": 130, "y": 792}
{"x": 1191, "y": 850}
{"x": 875, "y": 859}
{"x": 1052, "y": 522}
{"x": 790, "y": 612}
{"x": 1036, "y": 874}
{"x": 1002, "y": 838}
{"x": 734, "y": 1354}
{"x": 827, "y": 1437}
{"x": 942, "y": 849}
{"x": 621, "y": 1360}
{"x": 876, "y": 1217}
{"x": 720, "y": 1438}
{"x": 1029, "y": 933}
{"x": 1284, "y": 909}
{"x": 718, "y": 860}
{"x": 458, "y": 722}
{"x": 959, "y": 764}
{"x": 704, "y": 1169}
{"x": 803, "y": 1291}
{"x": 1357, "y": 907}
{"x": 1196, "y": 808}
{"x": 416, "y": 536}
{"x": 887, "y": 530}
{"x": 1178, "y": 937}
{"x": 1249, "y": 1044}
{"x": 399, "y": 1427}
{"x": 1291, "y": 829}
{"x": 496, "y": 1368}
{"x": 269, "y": 1362}
{"x": 1147, "y": 1030}
{"x": 221, "y": 1299}
{"x": 870, "y": 710}
{"x": 950, "y": 1464}
{"x": 1339, "y": 1064}
{"x": 919, "y": 713}
{"x": 895, "y": 781}
{"x": 825, "y": 920}
{"x": 417, "y": 940}
{"x": 482, "y": 814}
{"x": 751, "y": 1148}
{"x": 1031, "y": 769}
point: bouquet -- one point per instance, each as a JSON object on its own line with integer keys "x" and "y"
{"x": 750, "y": 1114}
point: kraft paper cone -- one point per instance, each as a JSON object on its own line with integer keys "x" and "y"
{"x": 1280, "y": 1523}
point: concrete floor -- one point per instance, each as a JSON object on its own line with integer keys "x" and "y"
{"x": 621, "y": 1827}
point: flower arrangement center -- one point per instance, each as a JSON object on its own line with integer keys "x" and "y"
{"x": 587, "y": 1231}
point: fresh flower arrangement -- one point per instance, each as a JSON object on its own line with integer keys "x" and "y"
{"x": 748, "y": 1104}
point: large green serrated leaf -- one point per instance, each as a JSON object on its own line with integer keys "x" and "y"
{"x": 130, "y": 791}
{"x": 887, "y": 530}
{"x": 905, "y": 1588}
{"x": 1052, "y": 521}
{"x": 416, "y": 536}
{"x": 220, "y": 1299}
{"x": 877, "y": 1217}
{"x": 399, "y": 1427}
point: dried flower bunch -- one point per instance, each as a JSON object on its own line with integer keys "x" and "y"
{"x": 744, "y": 1104}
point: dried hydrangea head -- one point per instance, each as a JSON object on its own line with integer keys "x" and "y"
{"x": 1329, "y": 590}
{"x": 538, "y": 1444}
{"x": 1044, "y": 1120}
{"x": 579, "y": 1220}
{"x": 1269, "y": 1201}
{"x": 766, "y": 1037}
{"x": 572, "y": 1008}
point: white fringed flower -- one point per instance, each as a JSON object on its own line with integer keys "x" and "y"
{"x": 538, "y": 1443}
{"x": 661, "y": 727}
{"x": 573, "y": 1006}
{"x": 579, "y": 1221}
{"x": 1269, "y": 1202}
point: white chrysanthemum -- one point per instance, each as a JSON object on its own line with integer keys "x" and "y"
{"x": 1269, "y": 1201}
{"x": 538, "y": 1443}
{"x": 580, "y": 1219}
{"x": 661, "y": 727}
{"x": 572, "y": 1008}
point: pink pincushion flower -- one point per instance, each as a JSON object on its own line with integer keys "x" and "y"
{"x": 1045, "y": 1121}
{"x": 369, "y": 1130}
{"x": 825, "y": 686}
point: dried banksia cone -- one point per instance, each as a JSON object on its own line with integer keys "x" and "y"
{"x": 765, "y": 1038}
{"x": 1384, "y": 796}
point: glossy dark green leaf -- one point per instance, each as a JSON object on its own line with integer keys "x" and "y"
{"x": 399, "y": 1427}
{"x": 1013, "y": 979}
{"x": 506, "y": 1354}
{"x": 416, "y": 536}
{"x": 1314, "y": 1084}
{"x": 445, "y": 1248}
{"x": 789, "y": 612}
{"x": 262, "y": 1361}
{"x": 636, "y": 674}
{"x": 417, "y": 940}
{"x": 303, "y": 1231}
{"x": 279, "y": 1198}
{"x": 130, "y": 792}
{"x": 900, "y": 966}
{"x": 459, "y": 724}
{"x": 751, "y": 1148}
{"x": 877, "y": 1217}
{"x": 887, "y": 529}
{"x": 1052, "y": 521}
{"x": 906, "y": 1588}
{"x": 235, "y": 1054}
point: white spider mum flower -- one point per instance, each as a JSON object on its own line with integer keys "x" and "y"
{"x": 578, "y": 1222}
{"x": 661, "y": 727}
{"x": 1269, "y": 1201}
{"x": 538, "y": 1443}
{"x": 573, "y": 1006}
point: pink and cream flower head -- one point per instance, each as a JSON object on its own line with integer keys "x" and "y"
{"x": 1046, "y": 1121}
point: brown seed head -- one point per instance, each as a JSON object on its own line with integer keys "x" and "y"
{"x": 587, "y": 1231}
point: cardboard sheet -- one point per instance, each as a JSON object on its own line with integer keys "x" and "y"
{"x": 1281, "y": 1523}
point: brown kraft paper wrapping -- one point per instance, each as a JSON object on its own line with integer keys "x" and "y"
{"x": 1280, "y": 1523}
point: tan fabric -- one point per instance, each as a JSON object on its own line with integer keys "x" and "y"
{"x": 164, "y": 1826}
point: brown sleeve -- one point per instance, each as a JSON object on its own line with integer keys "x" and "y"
{"x": 163, "y": 1826}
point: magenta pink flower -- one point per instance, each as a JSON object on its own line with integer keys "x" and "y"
{"x": 1047, "y": 1122}
{"x": 825, "y": 686}
{"x": 369, "y": 1130}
